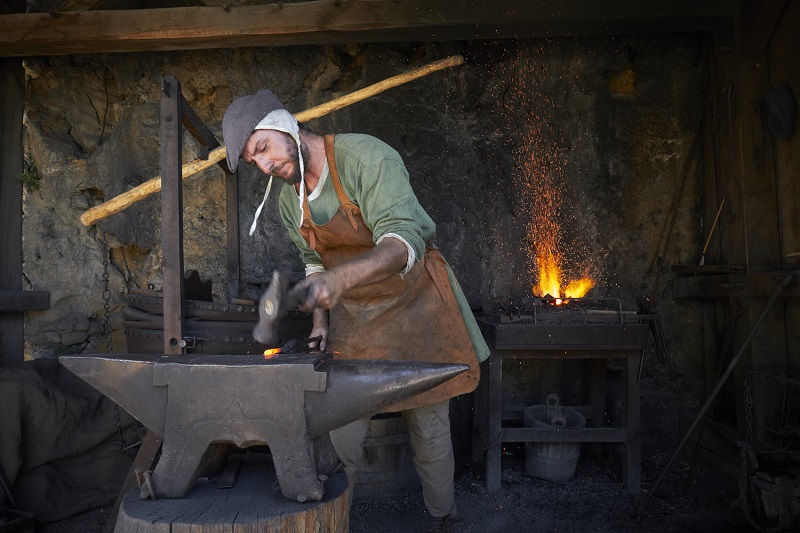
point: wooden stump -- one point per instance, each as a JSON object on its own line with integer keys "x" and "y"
{"x": 253, "y": 505}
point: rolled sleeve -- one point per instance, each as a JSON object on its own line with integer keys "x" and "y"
{"x": 384, "y": 194}
{"x": 412, "y": 256}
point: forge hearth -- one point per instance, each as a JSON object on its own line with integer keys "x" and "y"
{"x": 537, "y": 328}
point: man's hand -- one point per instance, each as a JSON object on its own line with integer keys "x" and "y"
{"x": 320, "y": 328}
{"x": 323, "y": 290}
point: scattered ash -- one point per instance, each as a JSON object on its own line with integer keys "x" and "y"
{"x": 691, "y": 498}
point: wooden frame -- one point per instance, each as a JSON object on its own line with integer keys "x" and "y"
{"x": 344, "y": 21}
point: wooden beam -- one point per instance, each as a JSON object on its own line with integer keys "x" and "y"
{"x": 19, "y": 300}
{"x": 345, "y": 21}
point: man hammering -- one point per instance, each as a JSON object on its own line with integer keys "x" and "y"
{"x": 377, "y": 287}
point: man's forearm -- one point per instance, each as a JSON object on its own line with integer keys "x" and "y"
{"x": 324, "y": 289}
{"x": 384, "y": 261}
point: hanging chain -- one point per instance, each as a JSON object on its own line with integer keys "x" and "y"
{"x": 748, "y": 407}
{"x": 106, "y": 293}
{"x": 107, "y": 333}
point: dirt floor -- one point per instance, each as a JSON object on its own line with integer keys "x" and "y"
{"x": 691, "y": 498}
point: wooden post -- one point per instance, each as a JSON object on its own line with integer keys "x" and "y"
{"x": 761, "y": 229}
{"x": 172, "y": 215}
{"x": 783, "y": 68}
{"x": 12, "y": 93}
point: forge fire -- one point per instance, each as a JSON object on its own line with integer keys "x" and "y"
{"x": 555, "y": 262}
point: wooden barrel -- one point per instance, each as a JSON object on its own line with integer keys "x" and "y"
{"x": 388, "y": 468}
{"x": 253, "y": 504}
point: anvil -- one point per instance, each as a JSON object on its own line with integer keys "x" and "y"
{"x": 283, "y": 402}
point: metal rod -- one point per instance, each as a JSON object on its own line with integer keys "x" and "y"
{"x": 728, "y": 371}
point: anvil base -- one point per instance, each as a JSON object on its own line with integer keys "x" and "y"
{"x": 253, "y": 504}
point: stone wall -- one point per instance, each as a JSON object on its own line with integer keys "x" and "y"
{"x": 607, "y": 120}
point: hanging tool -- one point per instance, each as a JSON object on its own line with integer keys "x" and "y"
{"x": 710, "y": 233}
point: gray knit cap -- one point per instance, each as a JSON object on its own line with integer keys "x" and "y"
{"x": 241, "y": 118}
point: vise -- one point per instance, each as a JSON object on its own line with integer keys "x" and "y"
{"x": 283, "y": 402}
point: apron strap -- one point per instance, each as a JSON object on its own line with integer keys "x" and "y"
{"x": 337, "y": 183}
{"x": 439, "y": 275}
{"x": 349, "y": 208}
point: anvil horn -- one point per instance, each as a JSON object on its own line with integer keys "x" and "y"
{"x": 357, "y": 389}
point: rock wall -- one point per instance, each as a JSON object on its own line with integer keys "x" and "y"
{"x": 607, "y": 121}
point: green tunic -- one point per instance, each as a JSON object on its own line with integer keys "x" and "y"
{"x": 375, "y": 179}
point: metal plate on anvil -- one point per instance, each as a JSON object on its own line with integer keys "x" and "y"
{"x": 522, "y": 336}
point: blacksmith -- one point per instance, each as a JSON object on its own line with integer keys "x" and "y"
{"x": 377, "y": 286}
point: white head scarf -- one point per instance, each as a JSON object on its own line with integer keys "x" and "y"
{"x": 281, "y": 120}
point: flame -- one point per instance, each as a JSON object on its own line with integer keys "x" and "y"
{"x": 549, "y": 283}
{"x": 578, "y": 288}
{"x": 549, "y": 276}
{"x": 271, "y": 352}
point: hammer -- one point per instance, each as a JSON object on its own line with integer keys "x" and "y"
{"x": 272, "y": 307}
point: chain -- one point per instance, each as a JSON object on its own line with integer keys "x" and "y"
{"x": 748, "y": 407}
{"x": 107, "y": 330}
{"x": 106, "y": 293}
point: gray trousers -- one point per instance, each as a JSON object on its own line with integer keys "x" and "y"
{"x": 429, "y": 435}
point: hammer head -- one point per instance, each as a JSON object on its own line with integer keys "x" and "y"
{"x": 272, "y": 308}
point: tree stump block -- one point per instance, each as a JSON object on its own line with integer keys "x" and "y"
{"x": 253, "y": 505}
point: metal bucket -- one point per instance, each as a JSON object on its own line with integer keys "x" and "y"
{"x": 552, "y": 461}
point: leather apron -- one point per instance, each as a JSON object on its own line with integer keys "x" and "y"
{"x": 413, "y": 318}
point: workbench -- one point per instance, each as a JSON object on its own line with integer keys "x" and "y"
{"x": 595, "y": 342}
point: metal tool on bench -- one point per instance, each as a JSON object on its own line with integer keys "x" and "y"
{"x": 283, "y": 402}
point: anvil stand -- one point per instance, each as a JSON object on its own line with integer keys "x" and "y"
{"x": 174, "y": 112}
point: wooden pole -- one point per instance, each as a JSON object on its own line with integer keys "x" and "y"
{"x": 152, "y": 186}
